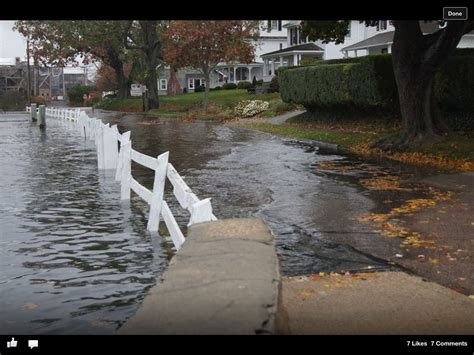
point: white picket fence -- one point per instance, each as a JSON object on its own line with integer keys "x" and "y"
{"x": 114, "y": 151}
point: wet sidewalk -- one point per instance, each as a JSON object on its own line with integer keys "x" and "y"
{"x": 375, "y": 303}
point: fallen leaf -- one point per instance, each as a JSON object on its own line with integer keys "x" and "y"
{"x": 29, "y": 306}
{"x": 99, "y": 323}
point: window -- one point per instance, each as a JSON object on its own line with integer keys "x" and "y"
{"x": 293, "y": 35}
{"x": 191, "y": 84}
{"x": 381, "y": 25}
{"x": 163, "y": 84}
{"x": 279, "y": 25}
{"x": 349, "y": 30}
{"x": 274, "y": 24}
{"x": 384, "y": 50}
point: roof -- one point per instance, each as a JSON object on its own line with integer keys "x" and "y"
{"x": 377, "y": 40}
{"x": 291, "y": 24}
{"x": 306, "y": 47}
{"x": 387, "y": 37}
{"x": 7, "y": 61}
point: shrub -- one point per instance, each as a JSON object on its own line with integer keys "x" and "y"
{"x": 453, "y": 84}
{"x": 283, "y": 107}
{"x": 463, "y": 52}
{"x": 39, "y": 100}
{"x": 95, "y": 100}
{"x": 309, "y": 61}
{"x": 368, "y": 82}
{"x": 200, "y": 88}
{"x": 249, "y": 108}
{"x": 244, "y": 84}
{"x": 316, "y": 86}
{"x": 216, "y": 88}
{"x": 76, "y": 93}
{"x": 274, "y": 85}
{"x": 229, "y": 86}
{"x": 259, "y": 82}
{"x": 13, "y": 101}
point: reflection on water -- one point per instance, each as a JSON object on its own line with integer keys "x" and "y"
{"x": 75, "y": 259}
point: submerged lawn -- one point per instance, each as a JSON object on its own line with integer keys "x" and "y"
{"x": 357, "y": 135}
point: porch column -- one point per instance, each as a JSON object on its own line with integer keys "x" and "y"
{"x": 265, "y": 67}
{"x": 235, "y": 74}
{"x": 273, "y": 66}
{"x": 250, "y": 73}
{"x": 281, "y": 61}
{"x": 390, "y": 49}
{"x": 295, "y": 59}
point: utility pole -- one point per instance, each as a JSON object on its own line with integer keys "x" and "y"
{"x": 64, "y": 86}
{"x": 28, "y": 77}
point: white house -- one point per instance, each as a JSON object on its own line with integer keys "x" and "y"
{"x": 281, "y": 44}
{"x": 360, "y": 41}
{"x": 273, "y": 37}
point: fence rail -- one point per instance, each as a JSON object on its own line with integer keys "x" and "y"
{"x": 115, "y": 152}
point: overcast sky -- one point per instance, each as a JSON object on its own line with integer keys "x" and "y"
{"x": 12, "y": 43}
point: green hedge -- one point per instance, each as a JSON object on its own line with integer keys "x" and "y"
{"x": 229, "y": 86}
{"x": 77, "y": 92}
{"x": 369, "y": 82}
{"x": 454, "y": 84}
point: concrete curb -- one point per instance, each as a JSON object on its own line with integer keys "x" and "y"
{"x": 224, "y": 280}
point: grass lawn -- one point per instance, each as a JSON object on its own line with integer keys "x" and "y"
{"x": 221, "y": 103}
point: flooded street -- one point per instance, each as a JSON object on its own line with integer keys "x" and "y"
{"x": 75, "y": 259}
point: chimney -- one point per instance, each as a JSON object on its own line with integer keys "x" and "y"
{"x": 17, "y": 60}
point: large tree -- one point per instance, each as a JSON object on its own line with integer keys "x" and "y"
{"x": 201, "y": 45}
{"x": 145, "y": 36}
{"x": 416, "y": 57}
{"x": 58, "y": 43}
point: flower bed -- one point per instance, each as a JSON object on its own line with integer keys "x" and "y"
{"x": 249, "y": 108}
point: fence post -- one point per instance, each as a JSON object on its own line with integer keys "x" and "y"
{"x": 158, "y": 191}
{"x": 100, "y": 145}
{"x": 201, "y": 212}
{"x": 42, "y": 117}
{"x": 33, "y": 112}
{"x": 126, "y": 171}
{"x": 110, "y": 147}
{"x": 125, "y": 139}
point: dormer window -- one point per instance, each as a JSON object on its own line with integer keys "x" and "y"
{"x": 382, "y": 25}
{"x": 274, "y": 25}
{"x": 293, "y": 35}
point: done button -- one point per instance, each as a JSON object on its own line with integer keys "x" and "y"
{"x": 454, "y": 13}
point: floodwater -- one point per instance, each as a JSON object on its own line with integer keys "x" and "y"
{"x": 74, "y": 259}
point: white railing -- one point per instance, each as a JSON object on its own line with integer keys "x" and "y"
{"x": 109, "y": 156}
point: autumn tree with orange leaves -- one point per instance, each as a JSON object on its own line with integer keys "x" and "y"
{"x": 201, "y": 45}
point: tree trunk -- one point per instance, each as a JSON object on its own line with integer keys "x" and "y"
{"x": 122, "y": 81}
{"x": 173, "y": 83}
{"x": 417, "y": 106}
{"x": 207, "y": 80}
{"x": 152, "y": 87}
{"x": 415, "y": 64}
{"x": 123, "y": 85}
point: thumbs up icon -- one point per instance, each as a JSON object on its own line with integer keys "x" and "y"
{"x": 12, "y": 343}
